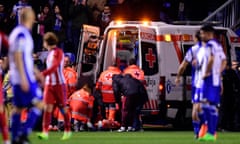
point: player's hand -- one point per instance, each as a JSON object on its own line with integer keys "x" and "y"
{"x": 41, "y": 79}
{"x": 194, "y": 63}
{"x": 25, "y": 85}
{"x": 177, "y": 81}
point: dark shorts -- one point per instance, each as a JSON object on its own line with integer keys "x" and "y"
{"x": 26, "y": 99}
{"x": 211, "y": 93}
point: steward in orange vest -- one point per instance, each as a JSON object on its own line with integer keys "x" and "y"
{"x": 104, "y": 85}
{"x": 70, "y": 76}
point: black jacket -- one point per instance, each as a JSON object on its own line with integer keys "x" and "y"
{"x": 129, "y": 86}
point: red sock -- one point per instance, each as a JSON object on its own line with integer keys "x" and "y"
{"x": 4, "y": 126}
{"x": 46, "y": 121}
{"x": 67, "y": 125}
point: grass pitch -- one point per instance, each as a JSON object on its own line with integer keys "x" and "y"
{"x": 147, "y": 137}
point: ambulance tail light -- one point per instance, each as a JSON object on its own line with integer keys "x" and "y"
{"x": 162, "y": 88}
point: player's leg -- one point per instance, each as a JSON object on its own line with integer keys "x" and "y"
{"x": 61, "y": 99}
{"x": 203, "y": 121}
{"x": 34, "y": 112}
{"x": 3, "y": 125}
{"x": 18, "y": 103}
{"x": 48, "y": 98}
{"x": 195, "y": 120}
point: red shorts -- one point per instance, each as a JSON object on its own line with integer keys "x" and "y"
{"x": 55, "y": 95}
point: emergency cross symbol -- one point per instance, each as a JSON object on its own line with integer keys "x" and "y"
{"x": 136, "y": 73}
{"x": 108, "y": 76}
{"x": 150, "y": 58}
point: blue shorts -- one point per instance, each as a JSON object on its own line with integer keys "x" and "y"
{"x": 197, "y": 96}
{"x": 26, "y": 99}
{"x": 211, "y": 93}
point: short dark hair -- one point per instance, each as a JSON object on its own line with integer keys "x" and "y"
{"x": 50, "y": 38}
{"x": 197, "y": 35}
{"x": 132, "y": 61}
{"x": 208, "y": 28}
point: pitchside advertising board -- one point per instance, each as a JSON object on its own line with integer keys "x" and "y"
{"x": 149, "y": 64}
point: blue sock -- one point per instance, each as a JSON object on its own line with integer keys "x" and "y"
{"x": 196, "y": 127}
{"x": 33, "y": 114}
{"x": 213, "y": 120}
{"x": 15, "y": 126}
{"x": 202, "y": 116}
{"x": 206, "y": 114}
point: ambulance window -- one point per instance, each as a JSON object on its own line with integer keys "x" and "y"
{"x": 125, "y": 46}
{"x": 185, "y": 48}
{"x": 237, "y": 51}
{"x": 149, "y": 58}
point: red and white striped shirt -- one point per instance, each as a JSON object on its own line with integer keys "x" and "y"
{"x": 55, "y": 64}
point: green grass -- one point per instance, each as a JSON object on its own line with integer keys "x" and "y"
{"x": 147, "y": 137}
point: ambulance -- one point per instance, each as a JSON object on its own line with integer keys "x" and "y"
{"x": 159, "y": 48}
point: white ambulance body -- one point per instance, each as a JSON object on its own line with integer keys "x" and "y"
{"x": 159, "y": 48}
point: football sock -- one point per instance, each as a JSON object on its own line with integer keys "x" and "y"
{"x": 202, "y": 117}
{"x": 46, "y": 121}
{"x": 213, "y": 120}
{"x": 4, "y": 126}
{"x": 67, "y": 124}
{"x": 196, "y": 127}
{"x": 16, "y": 125}
{"x": 33, "y": 114}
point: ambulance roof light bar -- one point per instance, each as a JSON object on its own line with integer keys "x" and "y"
{"x": 143, "y": 22}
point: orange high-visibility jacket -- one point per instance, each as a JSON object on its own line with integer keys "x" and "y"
{"x": 135, "y": 72}
{"x": 81, "y": 104}
{"x": 71, "y": 79}
{"x": 105, "y": 84}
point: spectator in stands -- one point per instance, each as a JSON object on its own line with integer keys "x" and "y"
{"x": 79, "y": 14}
{"x": 45, "y": 24}
{"x": 58, "y": 26}
{"x": 17, "y": 8}
{"x": 3, "y": 16}
{"x": 104, "y": 19}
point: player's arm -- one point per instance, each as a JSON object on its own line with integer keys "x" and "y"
{"x": 209, "y": 66}
{"x": 56, "y": 63}
{"x": 181, "y": 69}
{"x": 223, "y": 65}
{"x": 39, "y": 76}
{"x": 20, "y": 67}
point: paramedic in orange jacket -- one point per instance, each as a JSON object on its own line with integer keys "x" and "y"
{"x": 81, "y": 104}
{"x": 70, "y": 76}
{"x": 134, "y": 70}
{"x": 104, "y": 84}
